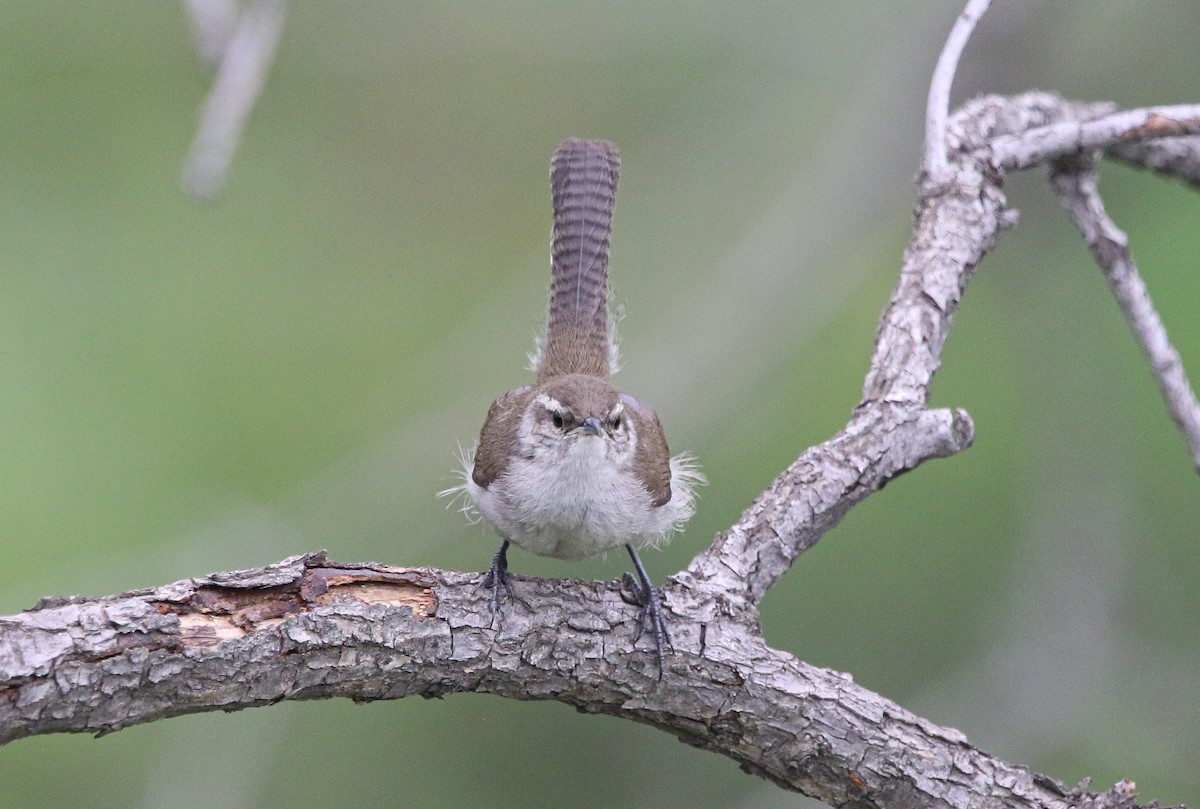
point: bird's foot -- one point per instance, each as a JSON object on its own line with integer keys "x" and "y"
{"x": 497, "y": 577}
{"x": 645, "y": 595}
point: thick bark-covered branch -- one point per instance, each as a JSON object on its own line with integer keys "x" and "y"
{"x": 813, "y": 494}
{"x": 309, "y": 628}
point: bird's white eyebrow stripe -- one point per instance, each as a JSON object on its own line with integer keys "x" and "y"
{"x": 548, "y": 402}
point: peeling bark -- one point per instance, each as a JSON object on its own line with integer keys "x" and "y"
{"x": 310, "y": 628}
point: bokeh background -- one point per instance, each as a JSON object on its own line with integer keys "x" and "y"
{"x": 190, "y": 387}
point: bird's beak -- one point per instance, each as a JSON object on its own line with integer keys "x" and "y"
{"x": 590, "y": 425}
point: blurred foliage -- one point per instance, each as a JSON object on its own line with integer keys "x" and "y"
{"x": 187, "y": 388}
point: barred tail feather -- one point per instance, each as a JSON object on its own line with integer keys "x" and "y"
{"x": 583, "y": 182}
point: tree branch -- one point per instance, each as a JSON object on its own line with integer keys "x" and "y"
{"x": 813, "y": 494}
{"x": 244, "y": 64}
{"x": 937, "y": 107}
{"x": 212, "y": 25}
{"x": 958, "y": 220}
{"x": 1084, "y": 134}
{"x": 309, "y": 628}
{"x": 1172, "y": 157}
{"x": 1075, "y": 183}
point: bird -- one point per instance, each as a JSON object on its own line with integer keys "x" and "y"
{"x": 569, "y": 467}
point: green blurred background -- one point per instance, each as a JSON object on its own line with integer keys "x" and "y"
{"x": 187, "y": 388}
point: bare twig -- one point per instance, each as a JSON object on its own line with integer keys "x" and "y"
{"x": 1171, "y": 157}
{"x": 1075, "y": 183}
{"x": 240, "y": 78}
{"x": 213, "y": 23}
{"x": 1040, "y": 146}
{"x": 937, "y": 108}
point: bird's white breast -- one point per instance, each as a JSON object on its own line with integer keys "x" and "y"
{"x": 578, "y": 504}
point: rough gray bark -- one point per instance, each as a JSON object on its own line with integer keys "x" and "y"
{"x": 309, "y": 628}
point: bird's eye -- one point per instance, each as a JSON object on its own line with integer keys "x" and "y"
{"x": 558, "y": 420}
{"x": 616, "y": 421}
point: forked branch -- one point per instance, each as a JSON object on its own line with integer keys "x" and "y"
{"x": 308, "y": 628}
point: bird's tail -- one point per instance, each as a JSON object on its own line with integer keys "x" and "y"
{"x": 583, "y": 184}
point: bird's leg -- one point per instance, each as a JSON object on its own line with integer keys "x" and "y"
{"x": 497, "y": 576}
{"x": 646, "y": 596}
